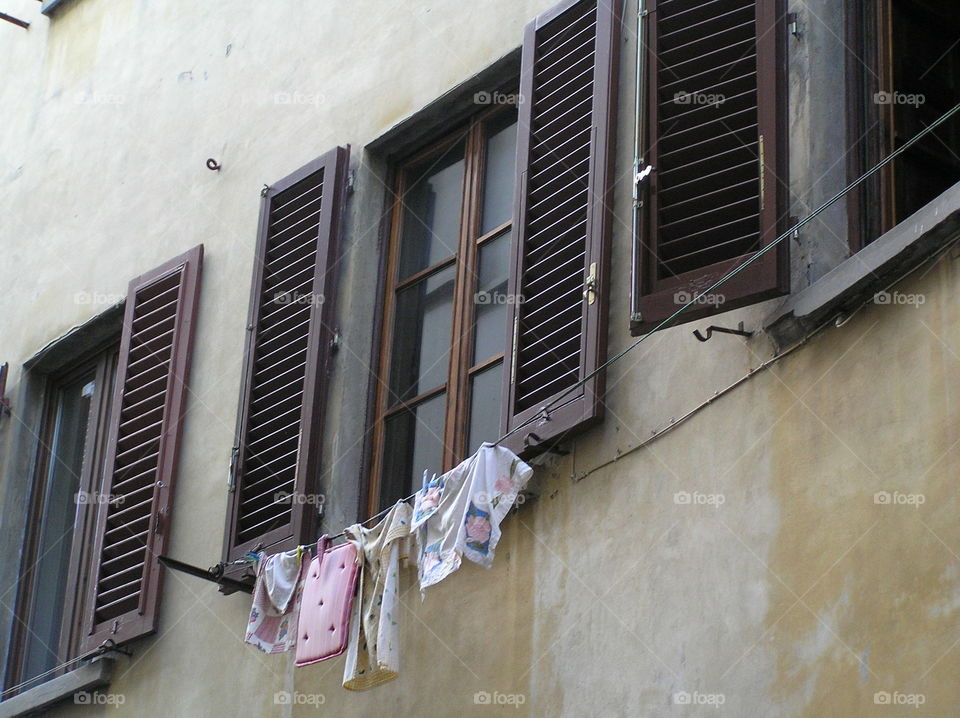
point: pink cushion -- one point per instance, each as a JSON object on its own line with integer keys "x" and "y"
{"x": 327, "y": 599}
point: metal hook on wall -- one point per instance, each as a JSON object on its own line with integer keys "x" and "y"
{"x": 739, "y": 331}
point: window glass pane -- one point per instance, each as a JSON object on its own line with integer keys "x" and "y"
{"x": 490, "y": 300}
{"x": 56, "y": 526}
{"x": 421, "y": 344}
{"x": 485, "y": 406}
{"x": 413, "y": 442}
{"x": 499, "y": 174}
{"x": 431, "y": 214}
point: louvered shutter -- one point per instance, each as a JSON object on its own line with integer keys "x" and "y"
{"x": 713, "y": 197}
{"x": 288, "y": 345}
{"x": 148, "y": 403}
{"x": 562, "y": 220}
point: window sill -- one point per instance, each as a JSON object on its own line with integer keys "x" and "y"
{"x": 868, "y": 271}
{"x": 87, "y": 677}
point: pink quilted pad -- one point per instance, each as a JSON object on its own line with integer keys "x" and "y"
{"x": 327, "y": 599}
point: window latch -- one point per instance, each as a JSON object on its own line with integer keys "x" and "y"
{"x": 590, "y": 286}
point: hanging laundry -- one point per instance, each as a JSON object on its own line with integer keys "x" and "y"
{"x": 276, "y": 601}
{"x": 328, "y": 590}
{"x": 373, "y": 654}
{"x": 461, "y": 511}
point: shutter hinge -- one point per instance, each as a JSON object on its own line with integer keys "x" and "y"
{"x": 351, "y": 181}
{"x": 513, "y": 358}
{"x": 793, "y": 24}
{"x": 636, "y": 317}
{"x": 234, "y": 453}
{"x": 763, "y": 176}
{"x": 639, "y": 175}
{"x": 335, "y": 340}
{"x": 264, "y": 190}
{"x": 590, "y": 286}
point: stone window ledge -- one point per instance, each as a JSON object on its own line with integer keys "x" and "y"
{"x": 87, "y": 677}
{"x": 868, "y": 271}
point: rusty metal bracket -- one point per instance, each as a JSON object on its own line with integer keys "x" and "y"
{"x": 739, "y": 331}
{"x": 15, "y": 20}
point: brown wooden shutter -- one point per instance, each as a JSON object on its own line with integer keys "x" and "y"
{"x": 562, "y": 219}
{"x": 288, "y": 346}
{"x": 143, "y": 444}
{"x": 712, "y": 137}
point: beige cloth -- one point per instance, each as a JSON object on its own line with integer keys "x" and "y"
{"x": 373, "y": 654}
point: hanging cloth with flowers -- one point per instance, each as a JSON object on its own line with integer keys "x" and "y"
{"x": 459, "y": 513}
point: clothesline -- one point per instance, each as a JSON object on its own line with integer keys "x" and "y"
{"x": 545, "y": 409}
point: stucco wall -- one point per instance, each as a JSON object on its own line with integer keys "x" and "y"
{"x": 797, "y": 596}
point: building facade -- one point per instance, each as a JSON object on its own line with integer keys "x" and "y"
{"x": 264, "y": 265}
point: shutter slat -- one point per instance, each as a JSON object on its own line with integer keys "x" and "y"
{"x": 279, "y": 417}
{"x": 143, "y": 446}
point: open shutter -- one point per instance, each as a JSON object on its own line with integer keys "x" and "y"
{"x": 143, "y": 444}
{"x": 562, "y": 220}
{"x": 713, "y": 141}
{"x": 277, "y": 456}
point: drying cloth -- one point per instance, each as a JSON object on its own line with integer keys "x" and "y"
{"x": 474, "y": 497}
{"x": 273, "y": 617}
{"x": 373, "y": 653}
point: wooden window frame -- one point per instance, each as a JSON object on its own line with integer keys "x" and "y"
{"x": 460, "y": 369}
{"x": 102, "y": 361}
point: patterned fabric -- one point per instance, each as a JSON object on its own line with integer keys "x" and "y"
{"x": 460, "y": 513}
{"x": 276, "y": 602}
{"x": 373, "y": 654}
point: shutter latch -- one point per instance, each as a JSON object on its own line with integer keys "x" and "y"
{"x": 234, "y": 452}
{"x": 590, "y": 286}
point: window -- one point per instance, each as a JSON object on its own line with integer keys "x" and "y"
{"x": 106, "y": 469}
{"x": 446, "y": 303}
{"x": 714, "y": 79}
{"x": 463, "y": 361}
{"x": 904, "y": 73}
{"x": 276, "y": 462}
{"x": 65, "y": 492}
